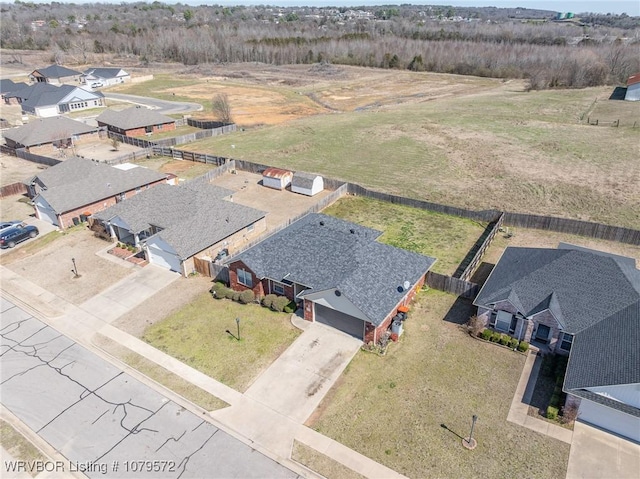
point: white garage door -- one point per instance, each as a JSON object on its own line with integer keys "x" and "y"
{"x": 164, "y": 258}
{"x": 47, "y": 214}
{"x": 610, "y": 419}
{"x": 343, "y": 322}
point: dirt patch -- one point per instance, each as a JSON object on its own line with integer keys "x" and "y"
{"x": 51, "y": 267}
{"x": 13, "y": 169}
{"x": 164, "y": 303}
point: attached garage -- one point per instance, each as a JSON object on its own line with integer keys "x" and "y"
{"x": 161, "y": 254}
{"x": 341, "y": 321}
{"x": 610, "y": 419}
{"x": 45, "y": 212}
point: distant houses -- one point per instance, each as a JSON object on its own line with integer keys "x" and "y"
{"x": 633, "y": 88}
{"x": 44, "y": 99}
{"x": 56, "y": 75}
{"x": 135, "y": 121}
{"x": 105, "y": 76}
{"x": 56, "y": 132}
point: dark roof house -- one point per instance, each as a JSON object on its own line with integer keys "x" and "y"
{"x": 109, "y": 76}
{"x": 9, "y": 86}
{"x": 580, "y": 302}
{"x": 135, "y": 121}
{"x": 345, "y": 277}
{"x": 44, "y": 99}
{"x": 43, "y": 131}
{"x": 80, "y": 186}
{"x": 178, "y": 222}
{"x": 54, "y": 74}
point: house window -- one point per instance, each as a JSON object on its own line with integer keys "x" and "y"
{"x": 277, "y": 288}
{"x": 567, "y": 340}
{"x": 244, "y": 277}
{"x": 250, "y": 228}
{"x": 504, "y": 321}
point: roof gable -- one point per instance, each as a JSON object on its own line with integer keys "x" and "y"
{"x": 56, "y": 71}
{"x": 106, "y": 73}
{"x": 134, "y": 117}
{"x": 47, "y": 130}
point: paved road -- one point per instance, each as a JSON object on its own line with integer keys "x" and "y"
{"x": 99, "y": 417}
{"x": 162, "y": 106}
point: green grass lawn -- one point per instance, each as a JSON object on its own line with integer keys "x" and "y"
{"x": 196, "y": 335}
{"x": 447, "y": 238}
{"x": 514, "y": 150}
{"x": 18, "y": 446}
{"x": 391, "y": 408}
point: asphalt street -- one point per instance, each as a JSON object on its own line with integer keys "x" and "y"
{"x": 161, "y": 106}
{"x": 105, "y": 422}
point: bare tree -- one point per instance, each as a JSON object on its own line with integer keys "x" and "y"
{"x": 475, "y": 325}
{"x": 115, "y": 143}
{"x": 221, "y": 108}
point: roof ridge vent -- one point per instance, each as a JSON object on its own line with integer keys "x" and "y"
{"x": 321, "y": 223}
{"x": 352, "y": 231}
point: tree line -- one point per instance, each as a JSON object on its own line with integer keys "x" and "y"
{"x": 595, "y": 50}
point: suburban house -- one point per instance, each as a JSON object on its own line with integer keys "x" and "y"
{"x": 582, "y": 303}
{"x": 135, "y": 121}
{"x": 307, "y": 184}
{"x": 106, "y": 76}
{"x": 80, "y": 187}
{"x": 276, "y": 178}
{"x": 45, "y": 100}
{"x": 174, "y": 224}
{"x": 52, "y": 133}
{"x": 633, "y": 88}
{"x": 55, "y": 74}
{"x": 335, "y": 270}
{"x": 9, "y": 86}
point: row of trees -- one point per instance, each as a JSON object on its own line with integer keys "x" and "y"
{"x": 549, "y": 54}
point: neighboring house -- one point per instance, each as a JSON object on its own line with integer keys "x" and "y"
{"x": 337, "y": 270}
{"x": 579, "y": 302}
{"x": 307, "y": 184}
{"x": 176, "y": 223}
{"x": 59, "y": 132}
{"x": 633, "y": 88}
{"x": 136, "y": 121}
{"x": 55, "y": 74}
{"x": 8, "y": 86}
{"x": 78, "y": 186}
{"x": 106, "y": 76}
{"x": 276, "y": 178}
{"x": 45, "y": 100}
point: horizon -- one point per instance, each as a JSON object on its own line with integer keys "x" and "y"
{"x": 615, "y": 7}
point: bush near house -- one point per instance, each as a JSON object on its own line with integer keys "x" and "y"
{"x": 504, "y": 339}
{"x": 523, "y": 346}
{"x": 552, "y": 412}
{"x": 486, "y": 334}
{"x": 247, "y": 296}
{"x": 513, "y": 343}
{"x": 267, "y": 301}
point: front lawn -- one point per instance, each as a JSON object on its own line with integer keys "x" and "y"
{"x": 392, "y": 408}
{"x": 444, "y": 237}
{"x": 196, "y": 335}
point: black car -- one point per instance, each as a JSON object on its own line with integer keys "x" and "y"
{"x": 16, "y": 234}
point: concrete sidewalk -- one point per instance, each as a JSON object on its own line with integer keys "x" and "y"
{"x": 518, "y": 412}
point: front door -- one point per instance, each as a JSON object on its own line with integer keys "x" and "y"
{"x": 542, "y": 334}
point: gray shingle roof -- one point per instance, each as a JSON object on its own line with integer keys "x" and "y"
{"x": 580, "y": 287}
{"x": 134, "y": 117}
{"x": 194, "y": 217}
{"x": 104, "y": 72}
{"x": 322, "y": 252}
{"x": 45, "y": 94}
{"x": 47, "y": 130}
{"x": 8, "y": 86}
{"x": 78, "y": 182}
{"x": 56, "y": 71}
{"x": 303, "y": 180}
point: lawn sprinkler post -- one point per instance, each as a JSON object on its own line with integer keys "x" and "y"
{"x": 470, "y": 442}
{"x": 75, "y": 268}
{"x": 238, "y": 324}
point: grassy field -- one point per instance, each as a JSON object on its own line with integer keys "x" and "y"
{"x": 186, "y": 170}
{"x": 391, "y": 408}
{"x": 321, "y": 463}
{"x": 18, "y": 446}
{"x": 502, "y": 148}
{"x": 447, "y": 238}
{"x": 196, "y": 335}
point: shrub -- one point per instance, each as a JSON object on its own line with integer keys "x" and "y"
{"x": 552, "y": 412}
{"x": 495, "y": 337}
{"x": 291, "y": 307}
{"x": 228, "y": 293}
{"x": 486, "y": 334}
{"x": 247, "y": 296}
{"x": 513, "y": 343}
{"x": 217, "y": 290}
{"x": 504, "y": 339}
{"x": 475, "y": 325}
{"x": 235, "y": 295}
{"x": 569, "y": 413}
{"x": 523, "y": 346}
{"x": 267, "y": 301}
{"x": 280, "y": 303}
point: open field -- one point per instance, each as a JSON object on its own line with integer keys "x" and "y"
{"x": 446, "y": 238}
{"x": 391, "y": 408}
{"x": 196, "y": 335}
{"x": 16, "y": 170}
{"x": 185, "y": 170}
{"x": 471, "y": 142}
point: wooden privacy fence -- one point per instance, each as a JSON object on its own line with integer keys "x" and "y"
{"x": 452, "y": 285}
{"x": 177, "y": 140}
{"x": 13, "y": 189}
{"x": 43, "y": 160}
{"x": 188, "y": 155}
{"x": 474, "y": 257}
{"x": 208, "y": 124}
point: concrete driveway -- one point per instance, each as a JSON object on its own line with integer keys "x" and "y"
{"x": 43, "y": 229}
{"x": 297, "y": 381}
{"x": 597, "y": 454}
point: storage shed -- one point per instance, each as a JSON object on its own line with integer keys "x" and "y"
{"x": 276, "y": 178}
{"x": 307, "y": 184}
{"x": 633, "y": 88}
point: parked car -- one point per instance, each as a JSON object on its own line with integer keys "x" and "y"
{"x": 17, "y": 234}
{"x": 8, "y": 224}
{"x": 97, "y": 84}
